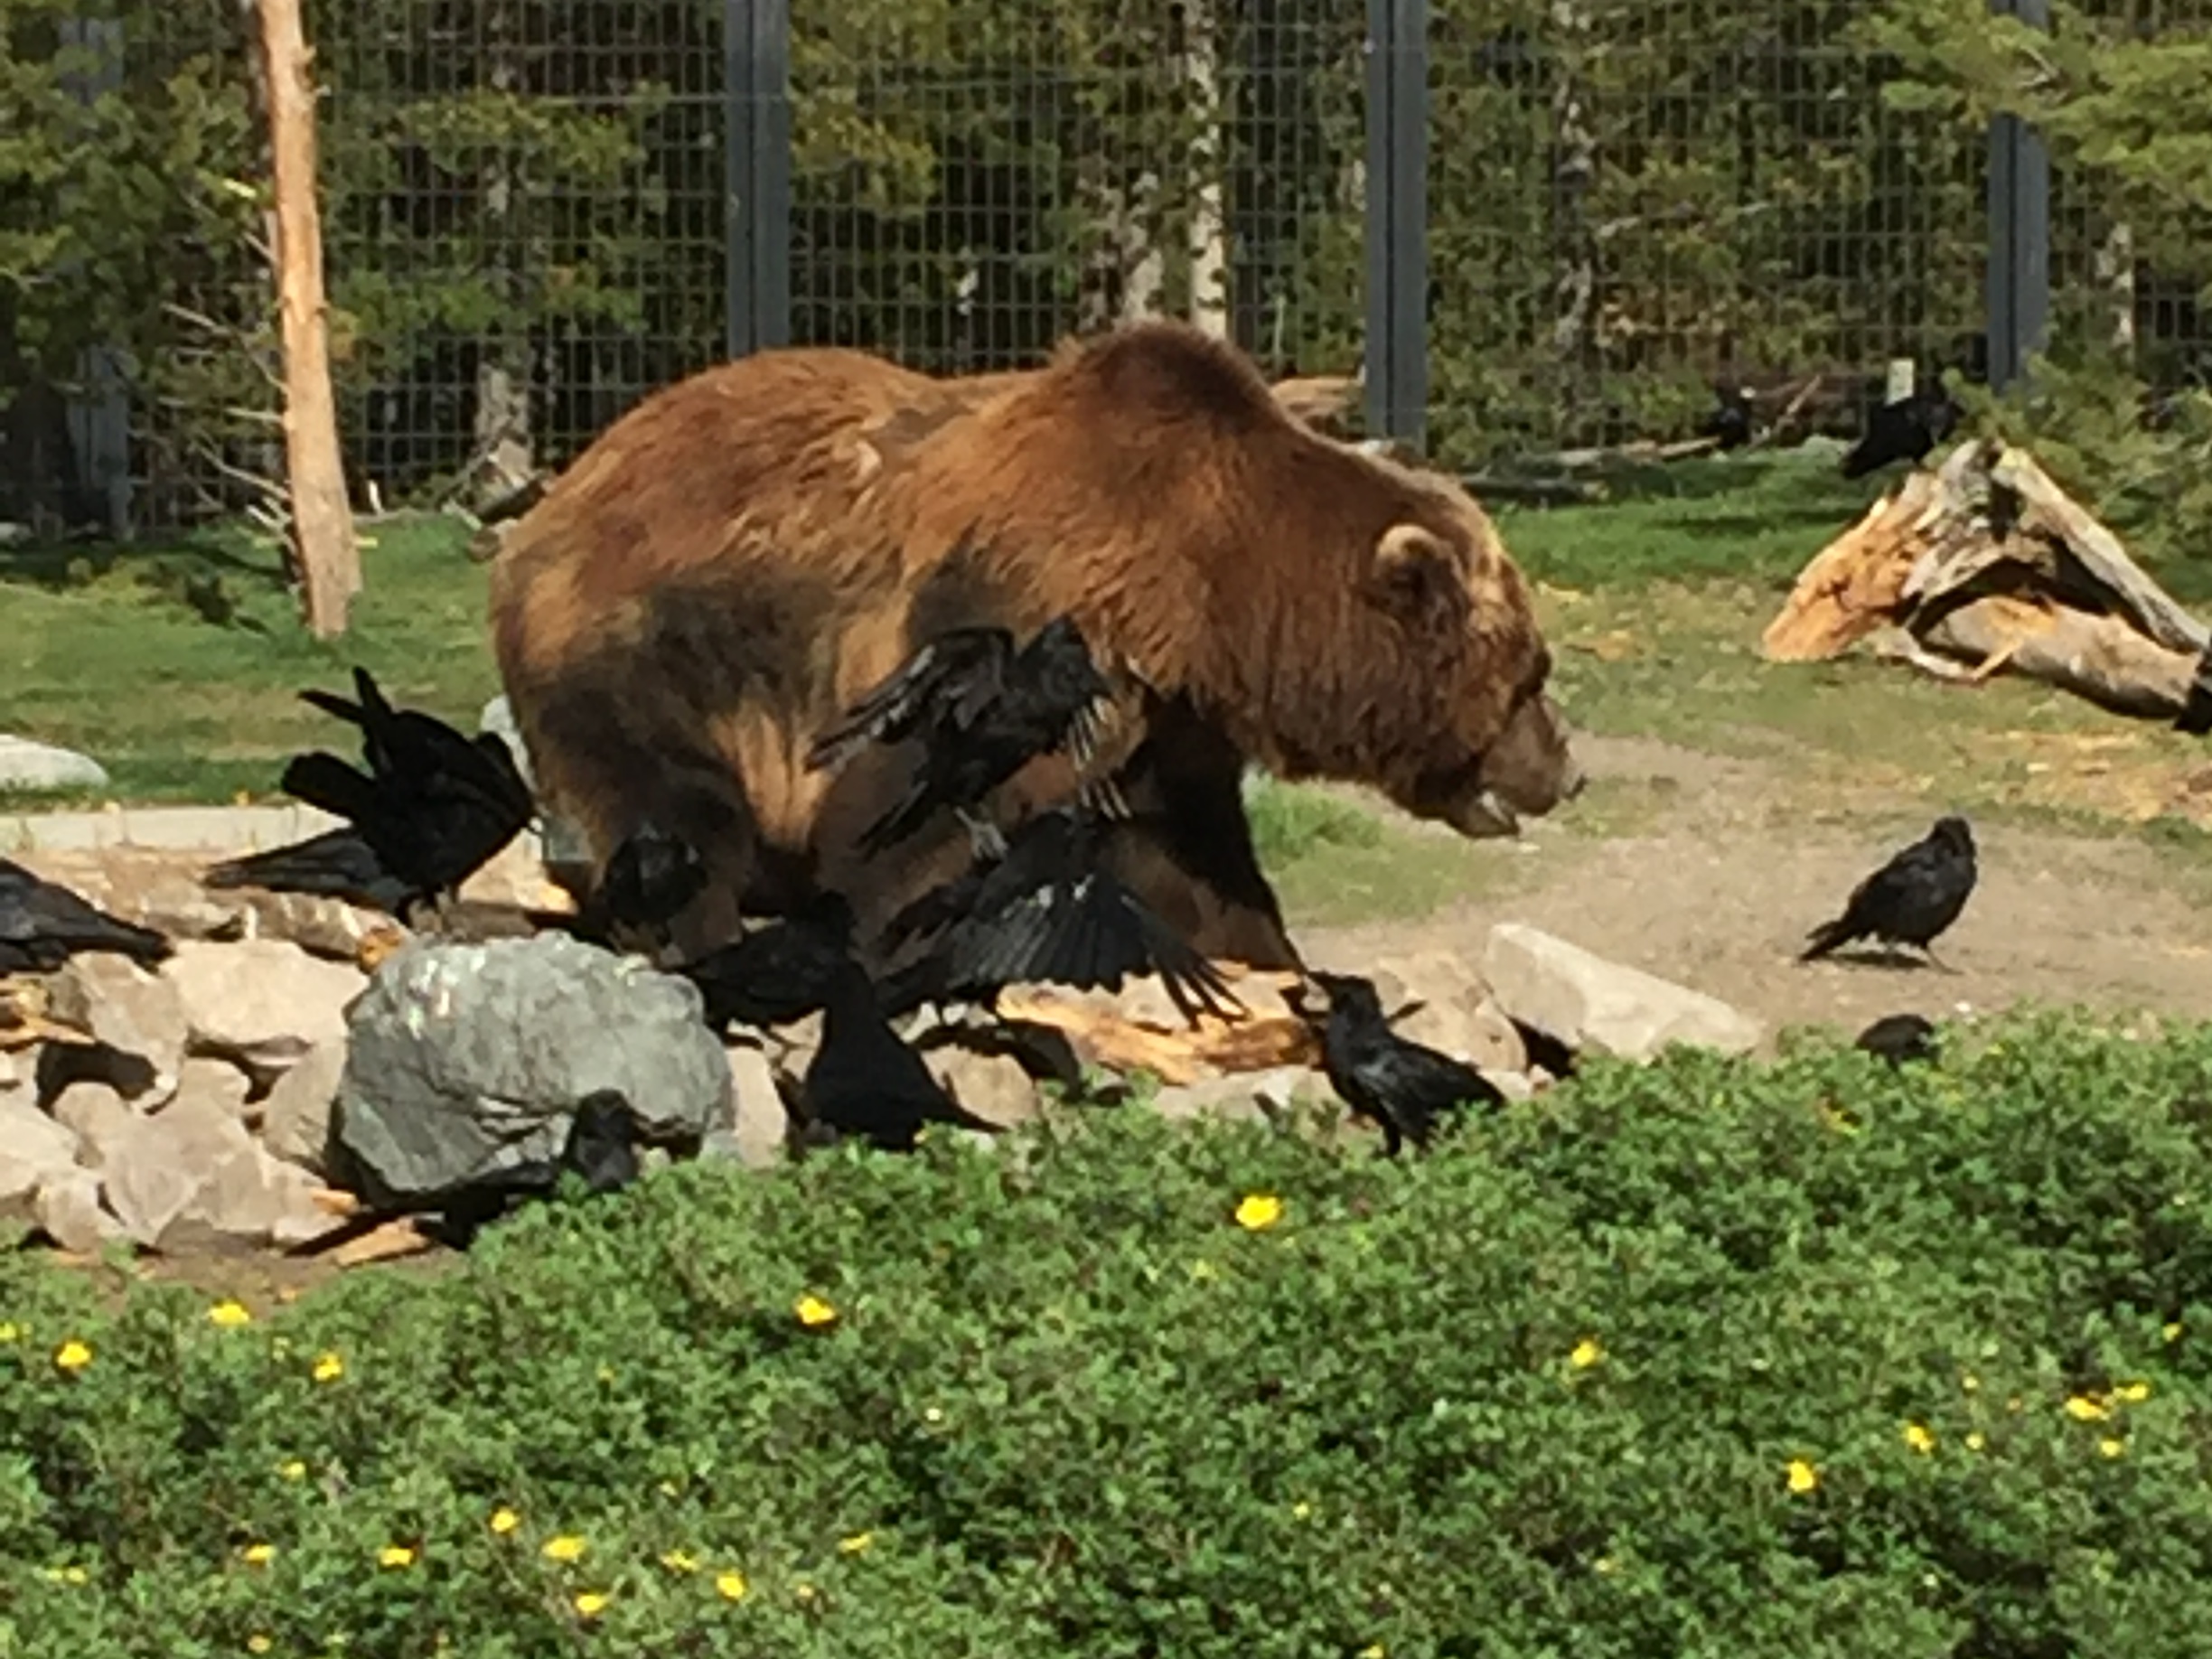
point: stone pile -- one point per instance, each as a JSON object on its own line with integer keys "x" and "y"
{"x": 262, "y": 1082}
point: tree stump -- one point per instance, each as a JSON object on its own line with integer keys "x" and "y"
{"x": 1984, "y": 565}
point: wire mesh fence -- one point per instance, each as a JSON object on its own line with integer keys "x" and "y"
{"x": 531, "y": 214}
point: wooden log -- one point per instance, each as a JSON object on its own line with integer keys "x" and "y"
{"x": 1108, "y": 1037}
{"x": 1857, "y": 583}
{"x": 2102, "y": 658}
{"x": 329, "y": 558}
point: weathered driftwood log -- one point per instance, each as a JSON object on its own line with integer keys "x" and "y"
{"x": 1118, "y": 1039}
{"x": 1988, "y": 564}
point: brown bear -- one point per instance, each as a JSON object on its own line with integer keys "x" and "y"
{"x": 743, "y": 555}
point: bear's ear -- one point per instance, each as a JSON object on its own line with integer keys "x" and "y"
{"x": 1418, "y": 577}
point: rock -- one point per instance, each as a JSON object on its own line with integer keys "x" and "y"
{"x": 1254, "y": 1097}
{"x": 316, "y": 922}
{"x": 1586, "y": 1002}
{"x": 216, "y": 1084}
{"x": 466, "y": 1059}
{"x": 100, "y": 1118}
{"x": 127, "y": 1009}
{"x": 265, "y": 1001}
{"x": 14, "y": 1076}
{"x": 756, "y": 1129}
{"x": 994, "y": 1088}
{"x": 33, "y": 1151}
{"x": 253, "y": 1197}
{"x": 1457, "y": 1014}
{"x": 29, "y": 766}
{"x": 151, "y": 1178}
{"x": 68, "y": 1211}
{"x": 498, "y": 716}
{"x": 295, "y": 1114}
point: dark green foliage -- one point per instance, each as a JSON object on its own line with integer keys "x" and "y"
{"x": 1539, "y": 1392}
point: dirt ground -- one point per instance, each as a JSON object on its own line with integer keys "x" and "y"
{"x": 1735, "y": 862}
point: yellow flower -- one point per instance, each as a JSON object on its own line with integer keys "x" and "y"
{"x": 72, "y": 1356}
{"x": 1605, "y": 1566}
{"x": 2112, "y": 1447}
{"x": 812, "y": 1310}
{"x": 396, "y": 1555}
{"x": 591, "y": 1603}
{"x": 2173, "y": 1332}
{"x": 293, "y": 1471}
{"x": 1803, "y": 1475}
{"x": 566, "y": 1547}
{"x": 730, "y": 1586}
{"x": 1373, "y": 1652}
{"x": 1587, "y": 1353}
{"x": 1976, "y": 1441}
{"x": 257, "y": 1554}
{"x": 503, "y": 1521}
{"x": 855, "y": 1543}
{"x": 1300, "y": 1510}
{"x": 802, "y": 1592}
{"x": 9, "y": 1330}
{"x": 230, "y": 1315}
{"x": 2083, "y": 1409}
{"x": 329, "y": 1368}
{"x": 2132, "y": 1392}
{"x": 1258, "y": 1212}
{"x": 68, "y": 1575}
{"x": 1969, "y": 1381}
{"x": 678, "y": 1560}
{"x": 1918, "y": 1436}
{"x": 258, "y": 1643}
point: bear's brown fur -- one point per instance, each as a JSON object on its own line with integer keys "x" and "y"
{"x": 742, "y": 555}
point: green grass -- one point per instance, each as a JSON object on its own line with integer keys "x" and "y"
{"x": 1541, "y": 1391}
{"x": 177, "y": 667}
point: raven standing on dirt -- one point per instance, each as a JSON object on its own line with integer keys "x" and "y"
{"x": 982, "y": 710}
{"x": 1911, "y": 899}
{"x": 42, "y": 925}
{"x": 1403, "y": 1085}
{"x": 1905, "y": 430}
{"x": 1047, "y": 911}
{"x": 433, "y": 807}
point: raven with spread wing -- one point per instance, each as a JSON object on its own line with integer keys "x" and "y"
{"x": 44, "y": 925}
{"x": 1047, "y": 911}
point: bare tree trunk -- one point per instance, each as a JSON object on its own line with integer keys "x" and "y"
{"x": 1574, "y": 169}
{"x": 501, "y": 452}
{"x": 1209, "y": 226}
{"x": 322, "y": 519}
{"x": 2115, "y": 275}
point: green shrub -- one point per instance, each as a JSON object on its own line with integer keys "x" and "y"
{"x": 1539, "y": 1392}
{"x": 1291, "y": 822}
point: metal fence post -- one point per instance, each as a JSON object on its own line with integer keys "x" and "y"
{"x": 1397, "y": 227}
{"x": 757, "y": 196}
{"x": 2019, "y": 229}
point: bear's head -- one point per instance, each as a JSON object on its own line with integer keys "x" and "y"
{"x": 1484, "y": 743}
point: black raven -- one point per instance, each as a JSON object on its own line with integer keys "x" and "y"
{"x": 433, "y": 807}
{"x": 1403, "y": 1085}
{"x": 1047, "y": 911}
{"x": 864, "y": 1082}
{"x": 1898, "y": 1038}
{"x": 1911, "y": 899}
{"x": 1905, "y": 430}
{"x": 42, "y": 925}
{"x": 1729, "y": 424}
{"x": 780, "y": 972}
{"x": 601, "y": 1148}
{"x": 648, "y": 879}
{"x": 981, "y": 710}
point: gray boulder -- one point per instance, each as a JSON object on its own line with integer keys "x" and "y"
{"x": 468, "y": 1059}
{"x": 33, "y": 766}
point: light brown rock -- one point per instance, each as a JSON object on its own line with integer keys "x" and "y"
{"x": 260, "y": 998}
{"x": 756, "y": 1130}
{"x": 991, "y": 1087}
{"x": 125, "y": 1008}
{"x": 152, "y": 1177}
{"x": 295, "y": 1114}
{"x": 252, "y": 1197}
{"x": 68, "y": 1211}
{"x": 1586, "y": 1002}
{"x": 99, "y": 1118}
{"x": 1252, "y": 1097}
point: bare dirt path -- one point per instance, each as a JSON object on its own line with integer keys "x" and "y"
{"x": 1735, "y": 862}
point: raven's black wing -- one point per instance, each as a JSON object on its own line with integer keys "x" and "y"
{"x": 949, "y": 680}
